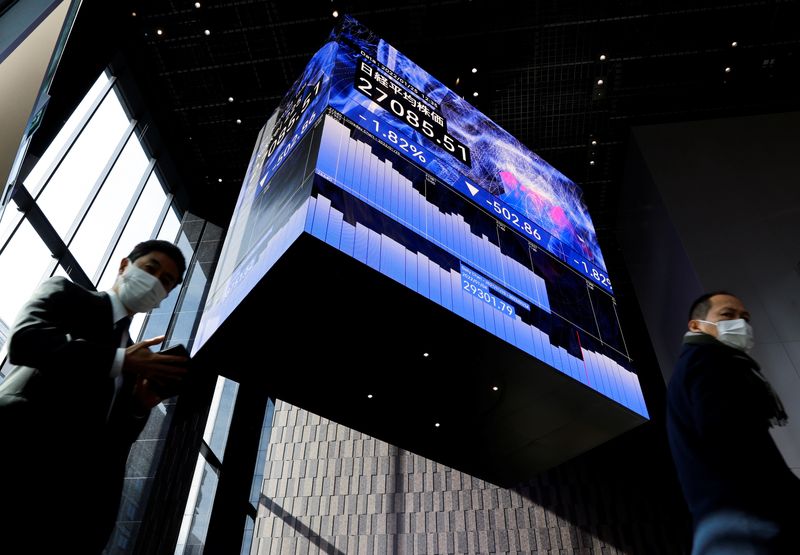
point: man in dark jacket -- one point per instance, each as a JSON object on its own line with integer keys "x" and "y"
{"x": 742, "y": 495}
{"x": 76, "y": 402}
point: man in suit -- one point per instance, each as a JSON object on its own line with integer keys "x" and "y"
{"x": 76, "y": 402}
{"x": 743, "y": 497}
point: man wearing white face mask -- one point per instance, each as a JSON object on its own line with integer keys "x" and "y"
{"x": 743, "y": 497}
{"x": 77, "y": 401}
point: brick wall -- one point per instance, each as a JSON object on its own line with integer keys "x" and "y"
{"x": 330, "y": 489}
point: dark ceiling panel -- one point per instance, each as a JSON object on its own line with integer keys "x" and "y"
{"x": 538, "y": 70}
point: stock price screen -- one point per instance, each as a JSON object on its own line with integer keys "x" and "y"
{"x": 488, "y": 229}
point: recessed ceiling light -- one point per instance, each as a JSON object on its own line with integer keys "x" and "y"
{"x": 230, "y": 99}
{"x": 197, "y": 4}
{"x": 335, "y": 13}
{"x": 219, "y": 179}
{"x": 602, "y": 57}
{"x": 458, "y": 80}
{"x": 594, "y": 142}
{"x": 369, "y": 395}
{"x": 591, "y": 162}
{"x": 159, "y": 32}
{"x": 437, "y": 424}
{"x": 474, "y": 70}
{"x": 133, "y": 14}
{"x": 495, "y": 388}
{"x": 599, "y": 81}
{"x": 238, "y": 121}
{"x": 727, "y": 70}
{"x": 734, "y": 44}
{"x": 207, "y": 32}
{"x": 475, "y": 93}
{"x": 425, "y": 355}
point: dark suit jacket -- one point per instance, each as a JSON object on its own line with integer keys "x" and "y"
{"x": 64, "y": 446}
{"x": 718, "y": 412}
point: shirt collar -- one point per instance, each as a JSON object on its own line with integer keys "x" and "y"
{"x": 118, "y": 310}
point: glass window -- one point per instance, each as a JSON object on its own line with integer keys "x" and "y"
{"x": 220, "y": 415}
{"x": 90, "y": 242}
{"x": 185, "y": 245}
{"x": 38, "y": 174}
{"x": 263, "y": 446}
{"x": 247, "y": 537}
{"x": 60, "y": 271}
{"x": 258, "y": 475}
{"x": 3, "y": 338}
{"x": 135, "y": 329}
{"x": 61, "y": 200}
{"x": 10, "y": 219}
{"x": 139, "y": 227}
{"x": 22, "y": 266}
{"x": 194, "y": 527}
{"x": 172, "y": 223}
{"x": 160, "y": 317}
{"x": 186, "y": 318}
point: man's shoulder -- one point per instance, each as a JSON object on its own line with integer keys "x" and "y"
{"x": 709, "y": 359}
{"x": 693, "y": 355}
{"x": 59, "y": 287}
{"x": 696, "y": 351}
{"x": 703, "y": 347}
{"x": 61, "y": 283}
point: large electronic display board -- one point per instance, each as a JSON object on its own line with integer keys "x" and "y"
{"x": 372, "y": 155}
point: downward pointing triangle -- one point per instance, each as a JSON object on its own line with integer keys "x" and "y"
{"x": 472, "y": 188}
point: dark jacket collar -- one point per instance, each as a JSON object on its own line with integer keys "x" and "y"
{"x": 705, "y": 339}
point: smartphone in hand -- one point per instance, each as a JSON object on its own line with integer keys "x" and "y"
{"x": 172, "y": 389}
{"x": 179, "y": 350}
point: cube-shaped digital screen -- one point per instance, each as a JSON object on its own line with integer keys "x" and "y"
{"x": 374, "y": 157}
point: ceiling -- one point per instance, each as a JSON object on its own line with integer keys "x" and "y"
{"x": 539, "y": 65}
{"x": 569, "y": 79}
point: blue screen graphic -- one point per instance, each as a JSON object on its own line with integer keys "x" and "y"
{"x": 378, "y": 88}
{"x": 300, "y": 108}
{"x": 393, "y": 216}
{"x": 370, "y": 154}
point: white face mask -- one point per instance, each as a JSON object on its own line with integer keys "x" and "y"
{"x": 138, "y": 290}
{"x": 734, "y": 333}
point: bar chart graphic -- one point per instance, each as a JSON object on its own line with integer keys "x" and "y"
{"x": 382, "y": 216}
{"x": 438, "y": 226}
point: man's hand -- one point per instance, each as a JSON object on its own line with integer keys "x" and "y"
{"x": 158, "y": 376}
{"x": 156, "y": 367}
{"x": 145, "y": 398}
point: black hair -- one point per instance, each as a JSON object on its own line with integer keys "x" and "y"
{"x": 170, "y": 249}
{"x": 702, "y": 304}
